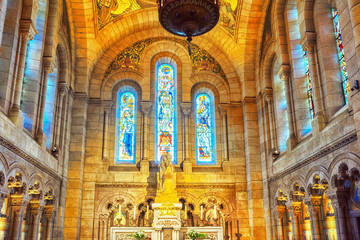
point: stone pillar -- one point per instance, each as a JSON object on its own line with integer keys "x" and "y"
{"x": 49, "y": 66}
{"x": 309, "y": 44}
{"x": 35, "y": 216}
{"x": 341, "y": 211}
{"x": 107, "y": 110}
{"x": 223, "y": 108}
{"x": 28, "y": 31}
{"x": 49, "y": 221}
{"x": 284, "y": 73}
{"x": 269, "y": 103}
{"x": 316, "y": 220}
{"x": 60, "y": 115}
{"x": 187, "y": 164}
{"x": 146, "y": 110}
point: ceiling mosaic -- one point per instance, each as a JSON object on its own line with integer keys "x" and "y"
{"x": 130, "y": 57}
{"x": 110, "y": 10}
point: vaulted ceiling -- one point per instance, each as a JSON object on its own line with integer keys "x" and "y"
{"x": 100, "y": 27}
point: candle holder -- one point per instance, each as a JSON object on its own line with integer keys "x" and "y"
{"x": 238, "y": 236}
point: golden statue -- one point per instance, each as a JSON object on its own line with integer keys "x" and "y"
{"x": 166, "y": 189}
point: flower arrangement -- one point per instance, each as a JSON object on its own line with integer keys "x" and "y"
{"x": 193, "y": 234}
{"x": 140, "y": 234}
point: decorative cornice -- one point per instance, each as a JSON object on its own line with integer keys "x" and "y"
{"x": 319, "y": 154}
{"x": 5, "y": 143}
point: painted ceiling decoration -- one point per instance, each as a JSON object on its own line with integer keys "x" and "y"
{"x": 110, "y": 10}
{"x": 130, "y": 57}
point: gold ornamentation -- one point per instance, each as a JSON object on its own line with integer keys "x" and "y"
{"x": 130, "y": 57}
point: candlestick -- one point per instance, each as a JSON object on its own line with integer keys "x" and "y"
{"x": 134, "y": 212}
{"x": 119, "y": 209}
{"x": 215, "y": 214}
{"x": 147, "y": 212}
{"x": 185, "y": 217}
{"x": 202, "y": 212}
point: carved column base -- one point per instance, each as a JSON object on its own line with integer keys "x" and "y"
{"x": 41, "y": 139}
{"x": 17, "y": 117}
{"x": 144, "y": 166}
{"x": 318, "y": 124}
{"x": 226, "y": 167}
{"x": 187, "y": 166}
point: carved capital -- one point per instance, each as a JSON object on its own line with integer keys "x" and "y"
{"x": 186, "y": 108}
{"x": 34, "y": 193}
{"x": 107, "y": 106}
{"x": 27, "y": 29}
{"x": 308, "y": 42}
{"x": 49, "y": 64}
{"x": 284, "y": 72}
{"x": 146, "y": 108}
{"x": 223, "y": 109}
{"x": 16, "y": 186}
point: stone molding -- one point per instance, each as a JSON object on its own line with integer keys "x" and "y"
{"x": 319, "y": 154}
{"x": 179, "y": 186}
{"x": 33, "y": 161}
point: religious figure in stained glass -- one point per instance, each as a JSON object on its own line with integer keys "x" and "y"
{"x": 310, "y": 90}
{"x": 125, "y": 127}
{"x": 204, "y": 129}
{"x": 166, "y": 113}
{"x": 339, "y": 42}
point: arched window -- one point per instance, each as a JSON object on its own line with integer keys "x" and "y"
{"x": 125, "y": 127}
{"x": 205, "y": 129}
{"x": 281, "y": 116}
{"x": 33, "y": 69}
{"x": 50, "y": 105}
{"x": 309, "y": 86}
{"x": 338, "y": 36}
{"x": 165, "y": 136}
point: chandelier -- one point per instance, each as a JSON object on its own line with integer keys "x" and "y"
{"x": 188, "y": 18}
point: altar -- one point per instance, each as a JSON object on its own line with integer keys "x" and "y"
{"x": 122, "y": 233}
{"x": 167, "y": 218}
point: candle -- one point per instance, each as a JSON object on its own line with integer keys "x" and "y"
{"x": 134, "y": 212}
{"x": 147, "y": 212}
{"x": 119, "y": 209}
{"x": 215, "y": 214}
{"x": 237, "y": 225}
{"x": 185, "y": 217}
{"x": 202, "y": 212}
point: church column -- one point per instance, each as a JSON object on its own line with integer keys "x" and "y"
{"x": 49, "y": 221}
{"x": 35, "y": 209}
{"x": 146, "y": 110}
{"x": 59, "y": 116}
{"x": 269, "y": 103}
{"x": 18, "y": 205}
{"x": 315, "y": 218}
{"x": 253, "y": 169}
{"x": 342, "y": 218}
{"x": 4, "y": 223}
{"x": 309, "y": 44}
{"x": 28, "y": 31}
{"x": 107, "y": 110}
{"x": 187, "y": 164}
{"x": 223, "y": 108}
{"x": 284, "y": 73}
{"x": 49, "y": 66}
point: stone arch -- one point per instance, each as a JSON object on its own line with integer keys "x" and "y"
{"x": 221, "y": 86}
{"x": 204, "y": 197}
{"x": 63, "y": 61}
{"x": 103, "y": 60}
{"x": 352, "y": 160}
{"x": 320, "y": 170}
{"x": 5, "y": 164}
{"x": 100, "y": 208}
{"x": 267, "y": 64}
{"x": 19, "y": 167}
{"x": 112, "y": 80}
{"x": 37, "y": 177}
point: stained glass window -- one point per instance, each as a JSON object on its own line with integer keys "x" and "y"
{"x": 125, "y": 127}
{"x": 309, "y": 90}
{"x": 205, "y": 139}
{"x": 344, "y": 74}
{"x": 165, "y": 113}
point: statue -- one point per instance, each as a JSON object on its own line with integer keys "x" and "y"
{"x": 166, "y": 189}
